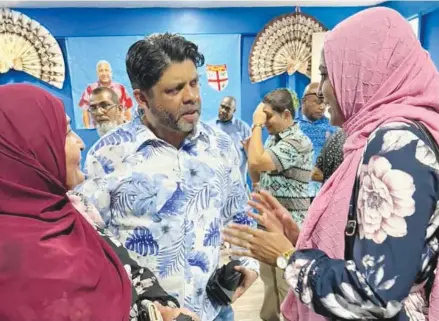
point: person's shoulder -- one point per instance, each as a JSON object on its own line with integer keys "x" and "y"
{"x": 303, "y": 138}
{"x": 215, "y": 134}
{"x": 120, "y": 135}
{"x": 396, "y": 129}
{"x": 211, "y": 129}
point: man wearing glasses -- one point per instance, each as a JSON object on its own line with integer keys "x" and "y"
{"x": 105, "y": 110}
{"x": 105, "y": 79}
{"x": 315, "y": 125}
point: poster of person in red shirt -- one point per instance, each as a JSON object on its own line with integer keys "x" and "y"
{"x": 104, "y": 79}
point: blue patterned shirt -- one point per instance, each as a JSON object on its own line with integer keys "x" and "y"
{"x": 238, "y": 131}
{"x": 168, "y": 206}
{"x": 317, "y": 131}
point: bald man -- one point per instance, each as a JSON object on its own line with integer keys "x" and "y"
{"x": 315, "y": 125}
{"x": 105, "y": 79}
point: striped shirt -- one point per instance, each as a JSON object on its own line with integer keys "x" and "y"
{"x": 292, "y": 153}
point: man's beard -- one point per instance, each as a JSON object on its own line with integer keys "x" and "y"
{"x": 223, "y": 118}
{"x": 105, "y": 127}
{"x": 176, "y": 122}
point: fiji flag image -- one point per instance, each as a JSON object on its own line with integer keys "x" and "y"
{"x": 217, "y": 76}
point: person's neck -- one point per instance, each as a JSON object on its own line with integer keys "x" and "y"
{"x": 105, "y": 84}
{"x": 288, "y": 124}
{"x": 172, "y": 137}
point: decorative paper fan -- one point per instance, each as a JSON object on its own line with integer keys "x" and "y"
{"x": 284, "y": 45}
{"x": 27, "y": 46}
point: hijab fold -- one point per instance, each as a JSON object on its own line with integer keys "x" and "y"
{"x": 53, "y": 264}
{"x": 380, "y": 74}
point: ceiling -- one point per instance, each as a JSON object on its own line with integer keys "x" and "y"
{"x": 184, "y": 3}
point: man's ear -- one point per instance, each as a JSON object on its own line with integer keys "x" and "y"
{"x": 141, "y": 98}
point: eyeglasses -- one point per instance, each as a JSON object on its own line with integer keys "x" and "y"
{"x": 104, "y": 107}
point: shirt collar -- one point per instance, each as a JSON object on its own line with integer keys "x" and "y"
{"x": 322, "y": 120}
{"x": 231, "y": 121}
{"x": 144, "y": 135}
{"x": 289, "y": 131}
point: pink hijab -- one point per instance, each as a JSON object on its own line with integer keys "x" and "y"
{"x": 380, "y": 74}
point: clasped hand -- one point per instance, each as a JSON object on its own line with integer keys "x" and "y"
{"x": 280, "y": 234}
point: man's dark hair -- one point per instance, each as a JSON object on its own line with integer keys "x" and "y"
{"x": 281, "y": 100}
{"x": 147, "y": 59}
{"x": 100, "y": 90}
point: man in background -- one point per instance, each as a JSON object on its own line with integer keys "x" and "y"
{"x": 283, "y": 168}
{"x": 238, "y": 130}
{"x": 105, "y": 79}
{"x": 315, "y": 125}
{"x": 105, "y": 110}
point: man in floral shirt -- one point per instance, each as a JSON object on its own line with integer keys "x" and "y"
{"x": 165, "y": 183}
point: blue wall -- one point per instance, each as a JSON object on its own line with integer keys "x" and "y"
{"x": 89, "y": 22}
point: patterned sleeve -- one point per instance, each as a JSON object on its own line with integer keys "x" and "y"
{"x": 95, "y": 188}
{"x": 236, "y": 208}
{"x": 392, "y": 250}
{"x": 289, "y": 153}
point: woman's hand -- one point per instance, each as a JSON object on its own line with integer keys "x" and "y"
{"x": 265, "y": 246}
{"x": 169, "y": 314}
{"x": 273, "y": 216}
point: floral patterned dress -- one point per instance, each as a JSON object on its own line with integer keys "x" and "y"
{"x": 396, "y": 246}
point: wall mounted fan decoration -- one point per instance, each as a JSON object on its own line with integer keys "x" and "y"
{"x": 27, "y": 46}
{"x": 284, "y": 45}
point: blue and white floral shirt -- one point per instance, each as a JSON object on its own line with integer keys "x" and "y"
{"x": 168, "y": 205}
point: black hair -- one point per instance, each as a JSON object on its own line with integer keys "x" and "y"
{"x": 99, "y": 90}
{"x": 281, "y": 100}
{"x": 147, "y": 59}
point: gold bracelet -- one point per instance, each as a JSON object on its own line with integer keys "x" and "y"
{"x": 257, "y": 125}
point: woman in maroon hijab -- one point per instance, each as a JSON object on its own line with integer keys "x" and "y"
{"x": 54, "y": 265}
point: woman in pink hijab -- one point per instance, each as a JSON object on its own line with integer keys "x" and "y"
{"x": 369, "y": 245}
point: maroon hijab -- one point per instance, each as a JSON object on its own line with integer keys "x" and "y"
{"x": 53, "y": 264}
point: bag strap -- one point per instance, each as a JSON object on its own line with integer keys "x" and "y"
{"x": 351, "y": 226}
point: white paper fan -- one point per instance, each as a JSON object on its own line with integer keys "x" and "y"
{"x": 284, "y": 45}
{"x": 27, "y": 46}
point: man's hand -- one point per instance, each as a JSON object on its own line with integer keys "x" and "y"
{"x": 259, "y": 116}
{"x": 250, "y": 277}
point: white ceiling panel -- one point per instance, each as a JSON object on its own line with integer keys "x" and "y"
{"x": 184, "y": 3}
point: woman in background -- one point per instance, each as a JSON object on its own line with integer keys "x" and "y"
{"x": 54, "y": 265}
{"x": 370, "y": 254}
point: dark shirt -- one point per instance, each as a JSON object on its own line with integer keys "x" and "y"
{"x": 331, "y": 156}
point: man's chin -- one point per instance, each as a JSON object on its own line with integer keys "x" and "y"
{"x": 187, "y": 127}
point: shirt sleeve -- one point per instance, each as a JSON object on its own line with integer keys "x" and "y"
{"x": 289, "y": 153}
{"x": 397, "y": 197}
{"x": 96, "y": 186}
{"x": 236, "y": 207}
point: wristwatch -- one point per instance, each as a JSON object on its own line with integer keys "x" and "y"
{"x": 284, "y": 258}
